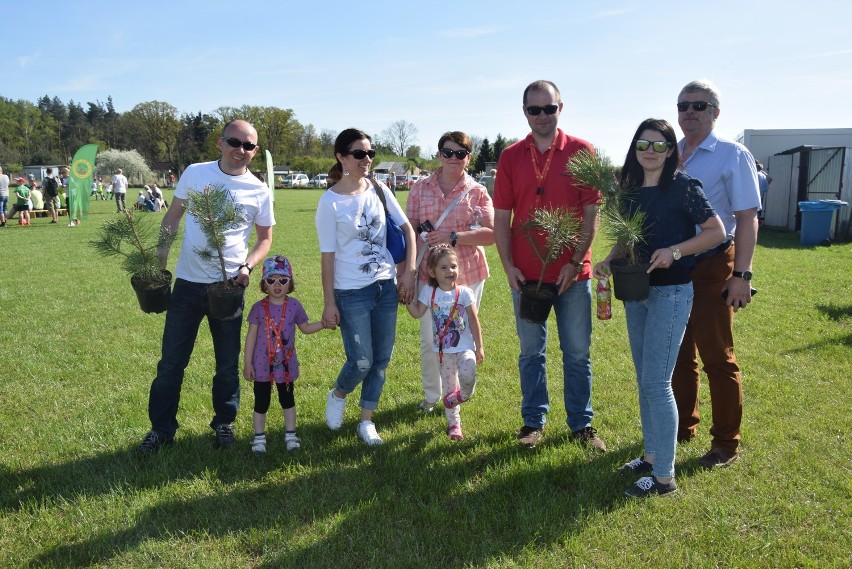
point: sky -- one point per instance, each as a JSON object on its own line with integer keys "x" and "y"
{"x": 443, "y": 65}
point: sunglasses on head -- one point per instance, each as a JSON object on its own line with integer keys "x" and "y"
{"x": 280, "y": 280}
{"x": 548, "y": 110}
{"x": 460, "y": 154}
{"x": 658, "y": 145}
{"x": 361, "y": 154}
{"x": 236, "y": 143}
{"x": 696, "y": 106}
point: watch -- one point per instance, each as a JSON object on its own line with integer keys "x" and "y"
{"x": 744, "y": 275}
{"x": 453, "y": 238}
{"x": 577, "y": 265}
{"x": 676, "y": 254}
{"x": 247, "y": 266}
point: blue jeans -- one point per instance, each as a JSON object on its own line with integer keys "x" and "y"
{"x": 368, "y": 328}
{"x": 655, "y": 327}
{"x": 188, "y": 307}
{"x": 573, "y": 311}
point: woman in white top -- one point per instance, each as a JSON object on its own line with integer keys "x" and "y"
{"x": 360, "y": 292}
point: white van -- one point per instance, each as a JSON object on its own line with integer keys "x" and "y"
{"x": 295, "y": 181}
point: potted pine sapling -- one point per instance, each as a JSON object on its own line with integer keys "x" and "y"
{"x": 217, "y": 214}
{"x": 550, "y": 232}
{"x": 623, "y": 222}
{"x": 136, "y": 237}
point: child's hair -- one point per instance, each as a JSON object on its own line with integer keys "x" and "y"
{"x": 290, "y": 289}
{"x": 437, "y": 253}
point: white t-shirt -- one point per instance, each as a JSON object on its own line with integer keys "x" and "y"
{"x": 4, "y": 186}
{"x": 353, "y": 228}
{"x": 119, "y": 184}
{"x": 252, "y": 198}
{"x": 457, "y": 336}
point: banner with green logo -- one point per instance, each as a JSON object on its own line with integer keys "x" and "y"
{"x": 80, "y": 182}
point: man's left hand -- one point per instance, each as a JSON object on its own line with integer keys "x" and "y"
{"x": 739, "y": 292}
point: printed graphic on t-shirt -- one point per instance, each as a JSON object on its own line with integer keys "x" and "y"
{"x": 369, "y": 230}
{"x": 440, "y": 315}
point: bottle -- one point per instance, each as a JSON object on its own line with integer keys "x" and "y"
{"x": 604, "y": 299}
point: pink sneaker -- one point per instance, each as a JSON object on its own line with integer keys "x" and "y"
{"x": 453, "y": 398}
{"x": 455, "y": 432}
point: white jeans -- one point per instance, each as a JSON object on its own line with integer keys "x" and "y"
{"x": 430, "y": 373}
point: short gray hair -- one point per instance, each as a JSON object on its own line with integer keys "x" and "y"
{"x": 703, "y": 86}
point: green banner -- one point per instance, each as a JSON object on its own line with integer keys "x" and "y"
{"x": 270, "y": 174}
{"x": 80, "y": 182}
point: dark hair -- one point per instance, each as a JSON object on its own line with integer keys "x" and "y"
{"x": 341, "y": 146}
{"x": 542, "y": 85}
{"x": 292, "y": 286}
{"x": 632, "y": 175}
{"x": 457, "y": 136}
{"x": 436, "y": 253}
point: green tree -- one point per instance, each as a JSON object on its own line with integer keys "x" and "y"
{"x": 500, "y": 144}
{"x": 154, "y": 126}
{"x": 134, "y": 165}
{"x": 485, "y": 155}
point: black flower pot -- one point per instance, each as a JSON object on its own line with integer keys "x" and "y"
{"x": 153, "y": 297}
{"x": 225, "y": 301}
{"x": 536, "y": 301}
{"x": 630, "y": 282}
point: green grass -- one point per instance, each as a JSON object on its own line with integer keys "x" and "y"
{"x": 79, "y": 356}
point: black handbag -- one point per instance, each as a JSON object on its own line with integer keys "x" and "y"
{"x": 394, "y": 238}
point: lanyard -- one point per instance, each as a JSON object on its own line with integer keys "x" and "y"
{"x": 274, "y": 340}
{"x": 443, "y": 333}
{"x": 539, "y": 174}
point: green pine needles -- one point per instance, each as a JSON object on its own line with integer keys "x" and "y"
{"x": 624, "y": 227}
{"x": 136, "y": 237}
{"x": 216, "y": 214}
{"x": 560, "y": 228}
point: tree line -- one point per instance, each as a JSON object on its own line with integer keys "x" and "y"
{"x": 49, "y": 131}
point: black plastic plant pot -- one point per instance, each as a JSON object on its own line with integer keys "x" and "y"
{"x": 630, "y": 282}
{"x": 225, "y": 301}
{"x": 536, "y": 301}
{"x": 153, "y": 298}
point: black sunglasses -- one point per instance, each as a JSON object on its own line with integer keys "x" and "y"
{"x": 236, "y": 143}
{"x": 282, "y": 280}
{"x": 696, "y": 106}
{"x": 361, "y": 154}
{"x": 460, "y": 154}
{"x": 658, "y": 145}
{"x": 548, "y": 110}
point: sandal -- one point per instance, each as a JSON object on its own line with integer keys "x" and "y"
{"x": 453, "y": 399}
{"x": 455, "y": 432}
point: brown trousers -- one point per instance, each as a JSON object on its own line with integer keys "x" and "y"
{"x": 710, "y": 333}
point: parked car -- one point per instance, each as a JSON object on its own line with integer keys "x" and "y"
{"x": 295, "y": 181}
{"x": 319, "y": 181}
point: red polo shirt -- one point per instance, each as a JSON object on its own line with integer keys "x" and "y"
{"x": 515, "y": 190}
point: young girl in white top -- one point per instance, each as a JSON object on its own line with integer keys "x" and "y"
{"x": 457, "y": 334}
{"x": 270, "y": 350}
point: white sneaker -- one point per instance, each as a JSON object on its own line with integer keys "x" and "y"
{"x": 258, "y": 444}
{"x": 334, "y": 411}
{"x": 292, "y": 441}
{"x": 368, "y": 434}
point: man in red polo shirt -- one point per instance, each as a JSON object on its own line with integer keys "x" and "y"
{"x": 530, "y": 174}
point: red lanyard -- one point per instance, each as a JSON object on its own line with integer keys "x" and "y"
{"x": 274, "y": 339}
{"x": 443, "y": 333}
{"x": 541, "y": 175}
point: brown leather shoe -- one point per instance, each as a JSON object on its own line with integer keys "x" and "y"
{"x": 589, "y": 436}
{"x": 529, "y": 436}
{"x": 718, "y": 457}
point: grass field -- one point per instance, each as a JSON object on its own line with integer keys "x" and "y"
{"x": 79, "y": 357}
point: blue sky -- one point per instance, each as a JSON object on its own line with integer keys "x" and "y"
{"x": 443, "y": 65}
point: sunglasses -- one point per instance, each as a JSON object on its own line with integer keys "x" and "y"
{"x": 280, "y": 280}
{"x": 696, "y": 106}
{"x": 658, "y": 145}
{"x": 361, "y": 154}
{"x": 236, "y": 143}
{"x": 460, "y": 154}
{"x": 548, "y": 110}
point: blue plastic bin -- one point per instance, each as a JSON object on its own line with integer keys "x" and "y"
{"x": 816, "y": 220}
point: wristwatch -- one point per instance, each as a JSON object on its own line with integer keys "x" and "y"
{"x": 453, "y": 238}
{"x": 577, "y": 265}
{"x": 675, "y": 253}
{"x": 744, "y": 275}
{"x": 247, "y": 266}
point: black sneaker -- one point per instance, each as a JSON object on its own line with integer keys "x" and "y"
{"x": 637, "y": 466}
{"x": 589, "y": 436}
{"x": 224, "y": 436}
{"x": 717, "y": 456}
{"x": 529, "y": 436}
{"x": 648, "y": 486}
{"x": 153, "y": 442}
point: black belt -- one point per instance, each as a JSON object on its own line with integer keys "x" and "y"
{"x": 721, "y": 248}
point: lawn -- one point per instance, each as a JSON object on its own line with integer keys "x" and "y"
{"x": 79, "y": 357}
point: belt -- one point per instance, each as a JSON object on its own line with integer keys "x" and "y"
{"x": 721, "y": 248}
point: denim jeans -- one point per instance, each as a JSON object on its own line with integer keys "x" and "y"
{"x": 368, "y": 328}
{"x": 188, "y": 307}
{"x": 655, "y": 327}
{"x": 573, "y": 310}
